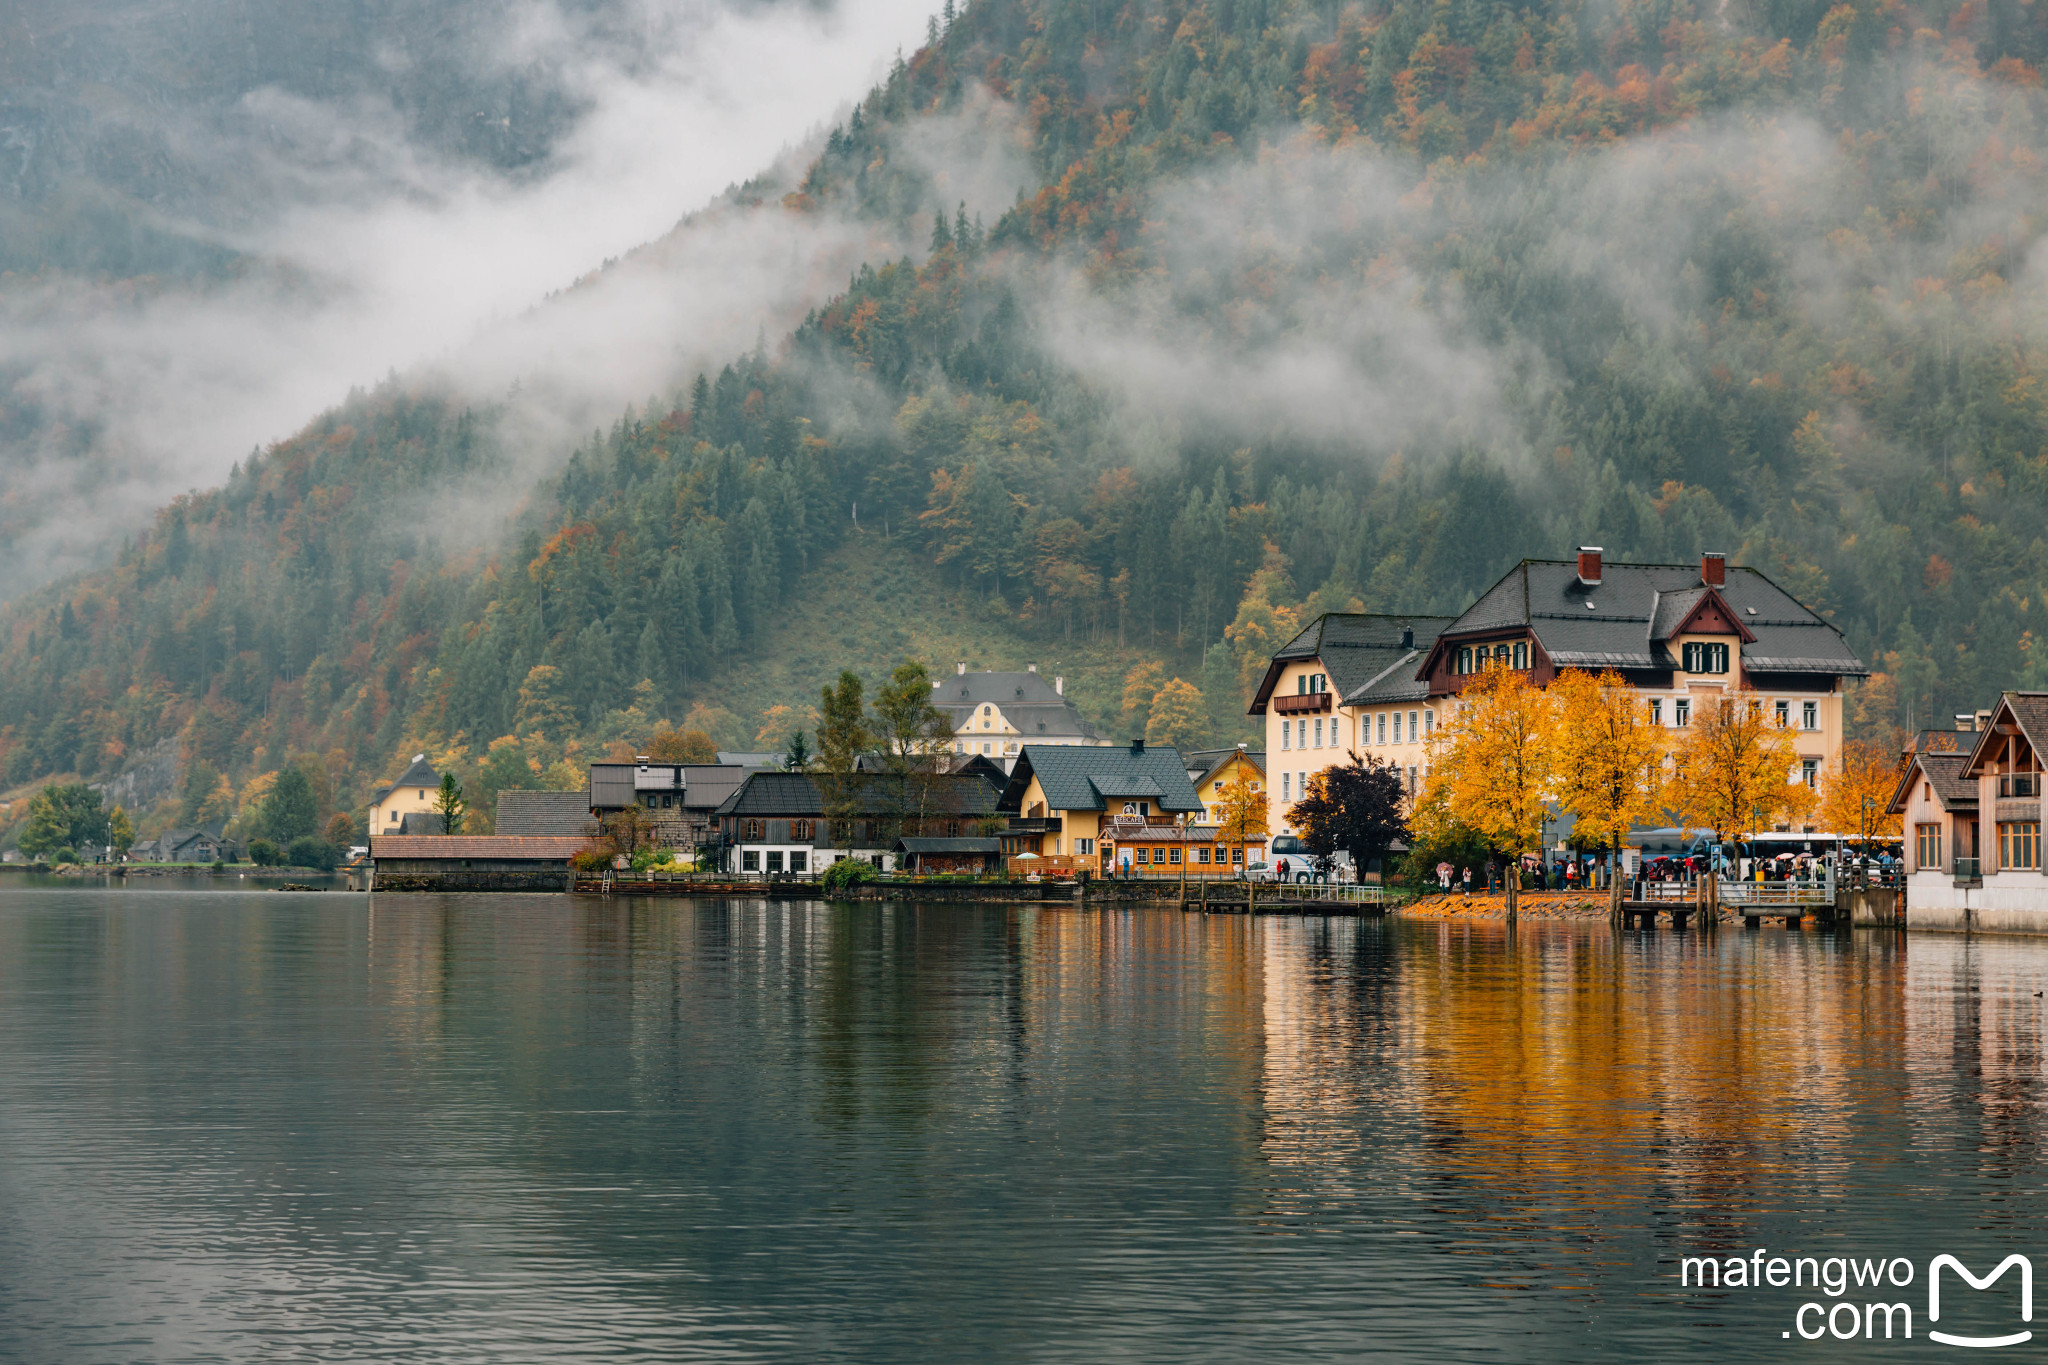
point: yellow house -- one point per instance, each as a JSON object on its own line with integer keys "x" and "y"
{"x": 1072, "y": 798}
{"x": 414, "y": 792}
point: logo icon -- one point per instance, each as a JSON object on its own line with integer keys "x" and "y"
{"x": 2026, "y": 1298}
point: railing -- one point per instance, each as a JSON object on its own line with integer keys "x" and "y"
{"x": 1969, "y": 869}
{"x": 1667, "y": 891}
{"x": 1800, "y": 891}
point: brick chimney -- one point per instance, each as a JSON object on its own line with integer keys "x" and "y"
{"x": 1589, "y": 565}
{"x": 1714, "y": 568}
{"x": 1031, "y": 668}
{"x": 1059, "y": 685}
{"x": 960, "y": 669}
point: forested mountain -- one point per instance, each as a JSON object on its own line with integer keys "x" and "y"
{"x": 1308, "y": 305}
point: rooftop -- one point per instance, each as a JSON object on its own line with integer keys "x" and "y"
{"x": 1625, "y": 619}
{"x": 418, "y": 773}
{"x": 1088, "y": 778}
{"x": 498, "y": 846}
{"x": 1369, "y": 657}
{"x": 559, "y": 814}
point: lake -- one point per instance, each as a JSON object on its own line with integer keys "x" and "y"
{"x": 240, "y": 1125}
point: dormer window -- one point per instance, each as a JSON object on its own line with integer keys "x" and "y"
{"x": 1705, "y": 658}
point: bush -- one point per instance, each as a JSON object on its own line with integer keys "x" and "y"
{"x": 63, "y": 856}
{"x": 591, "y": 860}
{"x": 848, "y": 872}
{"x": 263, "y": 853}
{"x": 307, "y": 851}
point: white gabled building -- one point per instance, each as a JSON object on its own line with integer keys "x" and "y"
{"x": 995, "y": 714}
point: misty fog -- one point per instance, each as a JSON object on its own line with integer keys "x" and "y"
{"x": 366, "y": 248}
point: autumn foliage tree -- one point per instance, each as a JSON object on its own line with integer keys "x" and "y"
{"x": 1240, "y": 814}
{"x": 1856, "y": 792}
{"x": 1609, "y": 757}
{"x": 1731, "y": 769}
{"x": 1492, "y": 762}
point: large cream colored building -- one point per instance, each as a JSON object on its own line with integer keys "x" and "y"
{"x": 996, "y": 714}
{"x": 1685, "y": 635}
{"x": 413, "y": 793}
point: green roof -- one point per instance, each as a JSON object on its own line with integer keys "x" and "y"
{"x": 1082, "y": 777}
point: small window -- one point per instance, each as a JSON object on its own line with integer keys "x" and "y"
{"x": 1809, "y": 715}
{"x": 1286, "y": 785}
{"x": 1084, "y": 846}
{"x": 1411, "y": 727}
{"x": 1927, "y": 846}
{"x": 750, "y": 860}
{"x": 1202, "y": 854}
{"x": 775, "y": 860}
{"x": 1809, "y": 771}
{"x": 755, "y": 829}
{"x": 1383, "y": 727}
{"x": 1784, "y": 713}
{"x": 1173, "y": 856}
{"x": 1706, "y": 658}
{"x": 800, "y": 862}
{"x": 1237, "y": 855}
{"x": 1521, "y": 654}
{"x": 1286, "y": 735}
{"x": 1428, "y": 724}
{"x": 1656, "y": 711}
{"x": 1465, "y": 659}
{"x": 2019, "y": 844}
{"x": 1681, "y": 713}
{"x": 1319, "y": 734}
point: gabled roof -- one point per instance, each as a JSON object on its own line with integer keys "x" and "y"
{"x": 559, "y": 814}
{"x": 1359, "y": 651}
{"x": 418, "y": 773}
{"x": 1635, "y": 609}
{"x": 1027, "y": 701}
{"x": 2026, "y": 711}
{"x": 1943, "y": 772}
{"x": 1208, "y": 762}
{"x": 1073, "y": 776}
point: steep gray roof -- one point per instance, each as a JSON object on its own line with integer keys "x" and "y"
{"x": 1944, "y": 772}
{"x": 1074, "y": 777}
{"x": 703, "y": 786}
{"x": 419, "y": 773}
{"x": 1636, "y": 606}
{"x": 535, "y": 814}
{"x": 1027, "y": 700}
{"x": 1363, "y": 654}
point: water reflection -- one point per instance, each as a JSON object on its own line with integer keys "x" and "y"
{"x": 235, "y": 1126}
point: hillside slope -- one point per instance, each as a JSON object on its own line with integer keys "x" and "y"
{"x": 1309, "y": 306}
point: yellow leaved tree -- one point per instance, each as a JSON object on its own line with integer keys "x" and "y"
{"x": 1240, "y": 815}
{"x": 1491, "y": 765}
{"x": 1856, "y": 790}
{"x": 1732, "y": 768}
{"x": 1609, "y": 756}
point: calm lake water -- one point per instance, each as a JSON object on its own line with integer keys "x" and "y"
{"x": 249, "y": 1125}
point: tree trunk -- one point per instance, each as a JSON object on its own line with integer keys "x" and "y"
{"x": 1513, "y": 878}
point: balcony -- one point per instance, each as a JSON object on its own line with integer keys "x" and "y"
{"x": 1969, "y": 871}
{"x": 1303, "y": 702}
{"x": 1020, "y": 824}
{"x": 2019, "y": 784}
